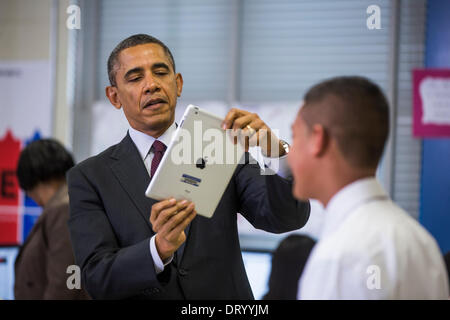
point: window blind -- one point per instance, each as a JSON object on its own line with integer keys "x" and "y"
{"x": 287, "y": 46}
{"x": 408, "y": 150}
{"x": 196, "y": 32}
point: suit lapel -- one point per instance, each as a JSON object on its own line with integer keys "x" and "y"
{"x": 130, "y": 170}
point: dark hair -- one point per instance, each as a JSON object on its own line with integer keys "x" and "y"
{"x": 355, "y": 112}
{"x": 288, "y": 262}
{"x": 42, "y": 161}
{"x": 129, "y": 42}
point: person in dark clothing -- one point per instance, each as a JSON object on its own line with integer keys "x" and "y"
{"x": 42, "y": 262}
{"x": 288, "y": 262}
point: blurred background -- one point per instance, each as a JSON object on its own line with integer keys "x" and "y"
{"x": 257, "y": 55}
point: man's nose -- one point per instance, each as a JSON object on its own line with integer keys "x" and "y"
{"x": 151, "y": 85}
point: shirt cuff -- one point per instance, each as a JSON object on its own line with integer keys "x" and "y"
{"x": 158, "y": 263}
{"x": 278, "y": 165}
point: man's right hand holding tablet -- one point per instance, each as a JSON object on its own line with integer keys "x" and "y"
{"x": 169, "y": 219}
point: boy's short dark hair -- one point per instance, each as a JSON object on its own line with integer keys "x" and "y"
{"x": 355, "y": 112}
{"x": 42, "y": 161}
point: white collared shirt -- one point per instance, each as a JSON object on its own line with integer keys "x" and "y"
{"x": 144, "y": 142}
{"x": 372, "y": 249}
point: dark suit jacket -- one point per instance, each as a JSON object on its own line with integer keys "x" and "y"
{"x": 110, "y": 230}
{"x": 40, "y": 267}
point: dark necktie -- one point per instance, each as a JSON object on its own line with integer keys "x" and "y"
{"x": 158, "y": 151}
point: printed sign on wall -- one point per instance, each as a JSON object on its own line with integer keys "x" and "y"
{"x": 26, "y": 115}
{"x": 431, "y": 102}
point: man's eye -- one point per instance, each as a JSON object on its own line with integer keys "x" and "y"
{"x": 134, "y": 79}
{"x": 161, "y": 73}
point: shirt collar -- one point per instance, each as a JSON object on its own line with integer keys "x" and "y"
{"x": 144, "y": 142}
{"x": 346, "y": 200}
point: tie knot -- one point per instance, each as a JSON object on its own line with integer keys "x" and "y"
{"x": 158, "y": 146}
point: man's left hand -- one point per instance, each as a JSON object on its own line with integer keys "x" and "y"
{"x": 255, "y": 131}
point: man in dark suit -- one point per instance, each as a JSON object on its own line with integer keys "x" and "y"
{"x": 129, "y": 246}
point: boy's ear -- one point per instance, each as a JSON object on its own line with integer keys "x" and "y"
{"x": 320, "y": 141}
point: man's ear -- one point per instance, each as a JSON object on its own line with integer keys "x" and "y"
{"x": 113, "y": 96}
{"x": 320, "y": 140}
{"x": 179, "y": 80}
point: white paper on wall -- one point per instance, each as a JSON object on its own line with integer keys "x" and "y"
{"x": 435, "y": 94}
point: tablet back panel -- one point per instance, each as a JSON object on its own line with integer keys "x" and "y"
{"x": 198, "y": 164}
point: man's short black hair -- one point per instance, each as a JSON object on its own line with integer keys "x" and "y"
{"x": 42, "y": 161}
{"x": 355, "y": 112}
{"x": 129, "y": 42}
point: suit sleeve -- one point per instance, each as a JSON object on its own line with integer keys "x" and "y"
{"x": 108, "y": 271}
{"x": 266, "y": 200}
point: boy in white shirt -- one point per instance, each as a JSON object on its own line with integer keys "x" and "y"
{"x": 369, "y": 248}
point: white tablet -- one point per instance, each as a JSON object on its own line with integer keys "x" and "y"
{"x": 198, "y": 163}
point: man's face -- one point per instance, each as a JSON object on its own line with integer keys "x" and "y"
{"x": 146, "y": 87}
{"x": 299, "y": 159}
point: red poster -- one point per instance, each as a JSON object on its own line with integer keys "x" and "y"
{"x": 9, "y": 189}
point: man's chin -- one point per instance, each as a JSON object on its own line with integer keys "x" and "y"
{"x": 163, "y": 123}
{"x": 159, "y": 119}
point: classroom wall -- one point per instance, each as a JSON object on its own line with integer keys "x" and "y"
{"x": 25, "y": 28}
{"x": 26, "y": 35}
{"x": 435, "y": 186}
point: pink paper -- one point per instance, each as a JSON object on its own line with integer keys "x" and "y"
{"x": 431, "y": 102}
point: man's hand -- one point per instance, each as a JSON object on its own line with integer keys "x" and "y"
{"x": 169, "y": 218}
{"x": 255, "y": 131}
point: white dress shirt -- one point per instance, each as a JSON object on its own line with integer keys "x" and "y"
{"x": 372, "y": 249}
{"x": 144, "y": 142}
